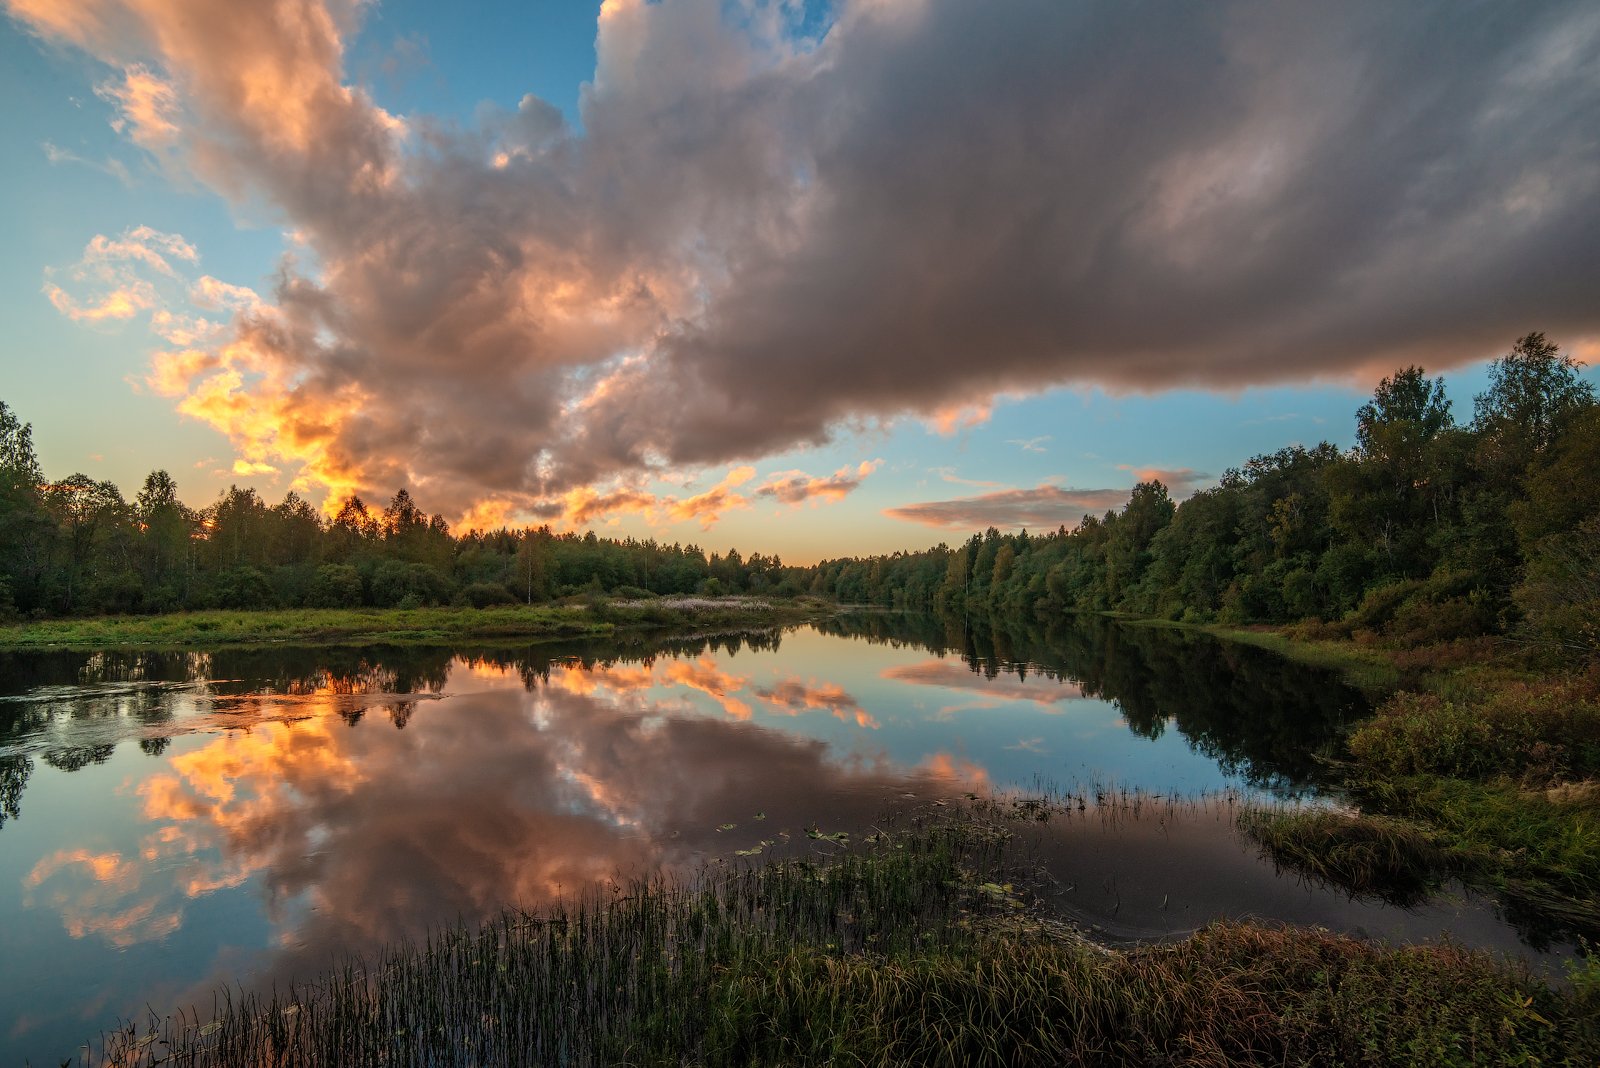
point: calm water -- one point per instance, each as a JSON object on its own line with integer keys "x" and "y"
{"x": 173, "y": 821}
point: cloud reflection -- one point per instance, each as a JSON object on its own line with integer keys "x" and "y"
{"x": 512, "y": 792}
{"x": 954, "y": 675}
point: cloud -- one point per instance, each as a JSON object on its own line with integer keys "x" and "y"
{"x": 793, "y": 696}
{"x": 1180, "y": 481}
{"x": 797, "y": 487}
{"x": 1043, "y": 506}
{"x": 148, "y": 105}
{"x": 763, "y": 235}
{"x": 114, "y": 167}
{"x": 948, "y": 419}
{"x": 953, "y": 675}
{"x": 119, "y": 278}
{"x": 1030, "y": 444}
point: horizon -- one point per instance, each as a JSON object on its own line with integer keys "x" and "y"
{"x": 772, "y": 277}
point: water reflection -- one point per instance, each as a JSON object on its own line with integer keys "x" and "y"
{"x": 1243, "y": 707}
{"x": 177, "y": 820}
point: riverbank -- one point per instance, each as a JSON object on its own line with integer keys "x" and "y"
{"x": 1481, "y": 762}
{"x": 595, "y": 617}
{"x": 914, "y": 947}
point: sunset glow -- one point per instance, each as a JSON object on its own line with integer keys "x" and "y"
{"x": 659, "y": 281}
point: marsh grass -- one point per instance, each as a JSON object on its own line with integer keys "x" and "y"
{"x": 400, "y": 626}
{"x": 1368, "y": 856}
{"x": 898, "y": 952}
{"x": 1538, "y": 851}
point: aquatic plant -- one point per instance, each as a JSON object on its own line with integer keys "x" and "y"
{"x": 905, "y": 950}
{"x": 1366, "y": 855}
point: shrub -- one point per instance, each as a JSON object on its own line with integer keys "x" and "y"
{"x": 335, "y": 586}
{"x": 399, "y": 585}
{"x": 1542, "y": 730}
{"x": 484, "y": 594}
{"x": 242, "y": 587}
{"x": 1561, "y": 595}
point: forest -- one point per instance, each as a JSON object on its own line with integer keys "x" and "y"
{"x": 1429, "y": 528}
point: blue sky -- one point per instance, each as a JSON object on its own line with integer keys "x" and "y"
{"x": 747, "y": 275}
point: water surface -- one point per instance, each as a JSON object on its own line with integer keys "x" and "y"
{"x": 172, "y": 821}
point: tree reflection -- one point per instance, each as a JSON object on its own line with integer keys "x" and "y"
{"x": 72, "y": 708}
{"x": 1257, "y": 715}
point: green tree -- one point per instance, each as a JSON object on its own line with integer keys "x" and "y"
{"x": 1534, "y": 390}
{"x": 25, "y": 527}
{"x": 1388, "y": 494}
{"x": 167, "y": 529}
{"x": 86, "y": 514}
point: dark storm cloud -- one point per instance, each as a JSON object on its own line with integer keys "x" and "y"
{"x": 757, "y": 241}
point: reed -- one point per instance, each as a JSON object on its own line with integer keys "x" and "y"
{"x": 898, "y": 951}
{"x": 1369, "y": 856}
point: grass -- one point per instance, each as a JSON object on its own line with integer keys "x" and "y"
{"x": 909, "y": 952}
{"x": 1491, "y": 776}
{"x": 1367, "y": 855}
{"x": 398, "y": 626}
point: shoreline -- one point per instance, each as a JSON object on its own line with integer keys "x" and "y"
{"x": 406, "y": 626}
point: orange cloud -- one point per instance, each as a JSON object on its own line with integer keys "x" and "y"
{"x": 708, "y": 507}
{"x": 99, "y": 894}
{"x": 797, "y": 487}
{"x": 1046, "y": 506}
{"x": 956, "y": 771}
{"x": 704, "y": 675}
{"x": 585, "y": 681}
{"x": 117, "y": 304}
{"x": 947, "y": 420}
{"x": 1180, "y": 481}
{"x": 791, "y": 696}
{"x": 149, "y": 106}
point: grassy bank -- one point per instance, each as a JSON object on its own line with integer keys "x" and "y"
{"x": 911, "y": 950}
{"x": 405, "y": 626}
{"x": 1488, "y": 770}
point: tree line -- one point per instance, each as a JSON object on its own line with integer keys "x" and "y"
{"x": 1428, "y": 528}
{"x": 77, "y": 546}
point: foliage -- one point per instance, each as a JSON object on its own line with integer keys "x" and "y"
{"x": 1367, "y": 855}
{"x": 1424, "y": 532}
{"x": 1540, "y": 731}
{"x": 891, "y": 956}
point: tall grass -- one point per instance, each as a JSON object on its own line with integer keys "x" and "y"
{"x": 1366, "y": 855}
{"x": 911, "y": 951}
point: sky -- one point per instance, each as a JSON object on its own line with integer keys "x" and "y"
{"x": 815, "y": 279}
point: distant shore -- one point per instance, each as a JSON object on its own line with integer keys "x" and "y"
{"x": 592, "y": 618}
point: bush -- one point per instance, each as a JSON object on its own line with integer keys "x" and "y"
{"x": 1540, "y": 730}
{"x": 484, "y": 594}
{"x": 1379, "y": 604}
{"x": 401, "y": 585}
{"x": 1561, "y": 595}
{"x": 242, "y": 587}
{"x": 1424, "y": 622}
{"x": 335, "y": 586}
